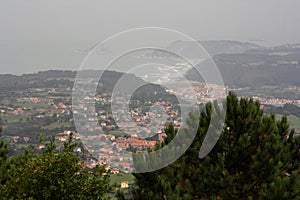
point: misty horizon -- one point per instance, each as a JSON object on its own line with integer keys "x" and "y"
{"x": 56, "y": 34}
{"x": 81, "y": 53}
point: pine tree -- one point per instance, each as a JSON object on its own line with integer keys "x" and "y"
{"x": 256, "y": 157}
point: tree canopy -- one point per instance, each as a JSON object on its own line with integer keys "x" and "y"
{"x": 256, "y": 157}
{"x": 52, "y": 175}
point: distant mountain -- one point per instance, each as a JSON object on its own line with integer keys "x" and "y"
{"x": 64, "y": 79}
{"x": 51, "y": 78}
{"x": 145, "y": 91}
{"x": 55, "y": 78}
{"x": 228, "y": 47}
{"x": 262, "y": 66}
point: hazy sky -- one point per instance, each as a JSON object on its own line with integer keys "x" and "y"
{"x": 54, "y": 34}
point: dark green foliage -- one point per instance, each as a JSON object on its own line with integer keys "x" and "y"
{"x": 53, "y": 175}
{"x": 256, "y": 157}
{"x": 5, "y": 162}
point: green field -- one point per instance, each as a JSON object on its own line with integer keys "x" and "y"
{"x": 31, "y": 105}
{"x": 58, "y": 125}
{"x": 9, "y": 118}
{"x": 117, "y": 133}
{"x": 118, "y": 178}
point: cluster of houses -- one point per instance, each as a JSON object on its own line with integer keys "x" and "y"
{"x": 109, "y": 149}
{"x": 275, "y": 101}
{"x": 107, "y": 146}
